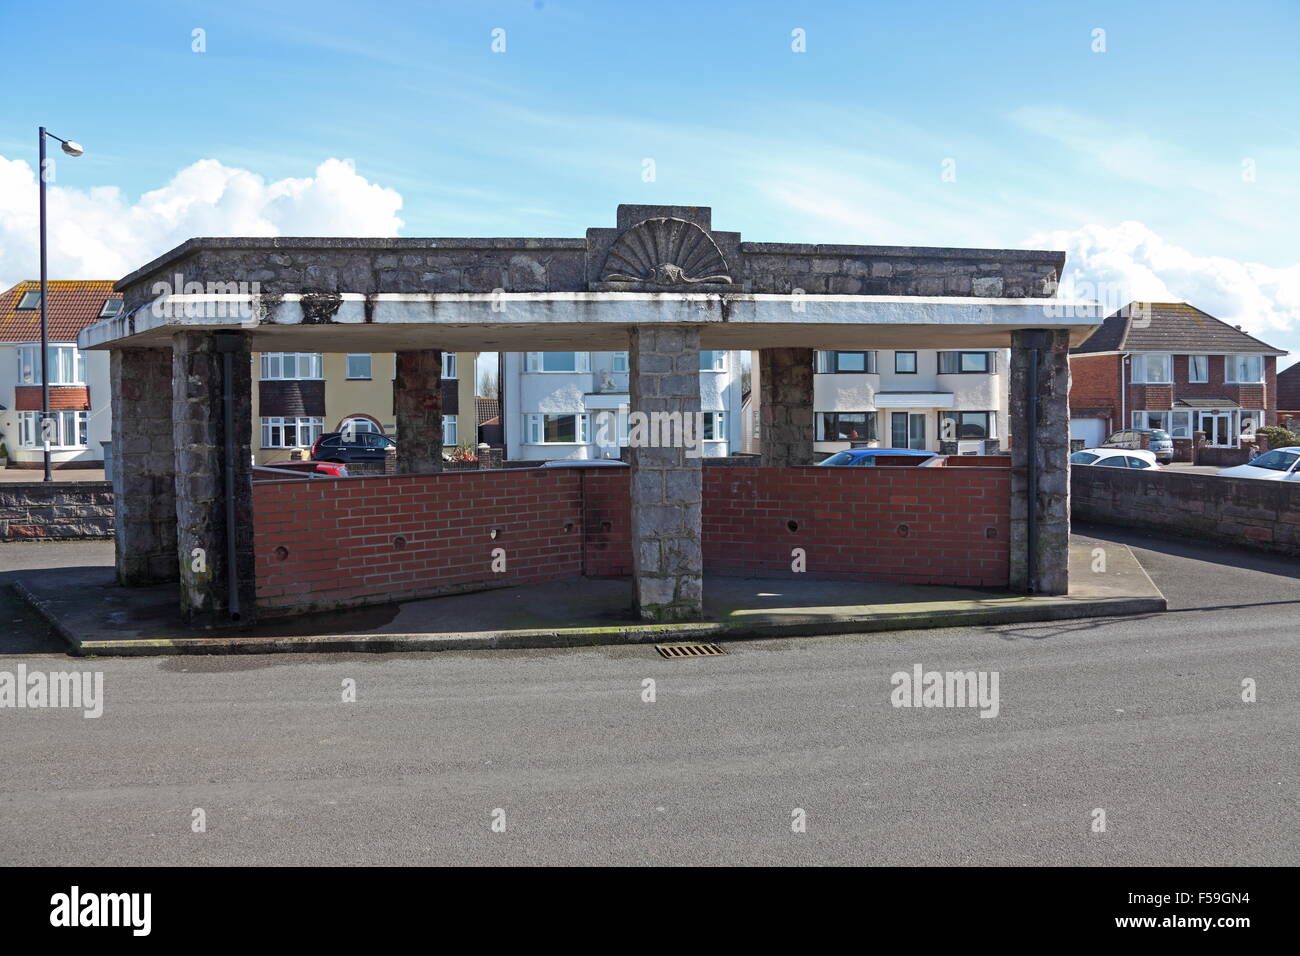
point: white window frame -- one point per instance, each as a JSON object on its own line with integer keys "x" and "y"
{"x": 1230, "y": 369}
{"x": 1167, "y": 418}
{"x": 314, "y": 426}
{"x": 717, "y": 423}
{"x": 719, "y": 361}
{"x": 536, "y": 362}
{"x": 110, "y": 308}
{"x": 1204, "y": 377}
{"x": 34, "y": 295}
{"x": 370, "y": 366}
{"x": 535, "y": 427}
{"x": 64, "y": 357}
{"x": 618, "y": 362}
{"x": 990, "y": 361}
{"x": 29, "y": 430}
{"x": 450, "y": 430}
{"x": 955, "y": 414}
{"x": 1142, "y": 368}
{"x": 449, "y": 366}
{"x": 272, "y": 369}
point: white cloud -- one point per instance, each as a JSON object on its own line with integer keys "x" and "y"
{"x": 99, "y": 234}
{"x": 1131, "y": 262}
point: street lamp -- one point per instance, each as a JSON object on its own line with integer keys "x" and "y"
{"x": 72, "y": 149}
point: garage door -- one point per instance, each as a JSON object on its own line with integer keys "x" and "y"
{"x": 1091, "y": 430}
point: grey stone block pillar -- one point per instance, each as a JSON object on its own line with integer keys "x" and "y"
{"x": 144, "y": 466}
{"x": 199, "y": 439}
{"x": 785, "y": 384}
{"x": 417, "y": 404}
{"x": 1040, "y": 436}
{"x": 667, "y": 559}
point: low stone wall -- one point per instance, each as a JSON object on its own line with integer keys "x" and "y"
{"x": 1241, "y": 511}
{"x": 56, "y": 510}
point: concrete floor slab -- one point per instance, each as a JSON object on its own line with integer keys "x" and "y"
{"x": 97, "y": 617}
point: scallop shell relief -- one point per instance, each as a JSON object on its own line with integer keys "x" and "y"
{"x": 665, "y": 252}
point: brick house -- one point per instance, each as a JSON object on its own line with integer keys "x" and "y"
{"x": 1288, "y": 397}
{"x": 79, "y": 393}
{"x": 1169, "y": 365}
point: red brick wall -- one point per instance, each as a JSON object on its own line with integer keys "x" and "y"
{"x": 916, "y": 525}
{"x": 1094, "y": 386}
{"x": 913, "y": 525}
{"x": 27, "y": 398}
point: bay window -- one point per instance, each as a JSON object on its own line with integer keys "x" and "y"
{"x": 289, "y": 432}
{"x": 1177, "y": 424}
{"x": 289, "y": 366}
{"x": 715, "y": 426}
{"x": 1153, "y": 368}
{"x": 846, "y": 426}
{"x": 547, "y": 429}
{"x": 846, "y": 362}
{"x": 1244, "y": 369}
{"x": 955, "y": 426}
{"x": 959, "y": 363}
{"x": 559, "y": 362}
{"x": 67, "y": 429}
{"x": 713, "y": 361}
{"x": 67, "y": 365}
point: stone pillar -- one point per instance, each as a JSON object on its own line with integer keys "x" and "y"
{"x": 1045, "y": 440}
{"x": 786, "y": 406}
{"x": 144, "y": 466}
{"x": 667, "y": 558}
{"x": 417, "y": 404}
{"x": 198, "y": 432}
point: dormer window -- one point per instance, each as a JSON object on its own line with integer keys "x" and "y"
{"x": 111, "y": 308}
{"x": 29, "y": 302}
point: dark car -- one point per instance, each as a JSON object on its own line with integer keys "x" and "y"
{"x": 362, "y": 446}
{"x": 860, "y": 457}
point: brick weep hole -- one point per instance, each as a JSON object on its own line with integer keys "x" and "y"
{"x": 341, "y": 547}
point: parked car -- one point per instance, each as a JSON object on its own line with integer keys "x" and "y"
{"x": 364, "y": 446}
{"x": 1280, "y": 464}
{"x": 860, "y": 457}
{"x": 1160, "y": 442}
{"x": 583, "y": 463}
{"x": 1116, "y": 458}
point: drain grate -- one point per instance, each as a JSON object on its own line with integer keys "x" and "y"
{"x": 690, "y": 649}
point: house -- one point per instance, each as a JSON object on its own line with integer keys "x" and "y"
{"x": 1170, "y": 365}
{"x": 489, "y": 422}
{"x": 297, "y": 396}
{"x": 911, "y": 398}
{"x": 575, "y": 404}
{"x": 79, "y": 384}
{"x": 1288, "y": 397}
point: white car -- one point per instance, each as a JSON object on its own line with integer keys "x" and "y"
{"x": 1116, "y": 458}
{"x": 1280, "y": 464}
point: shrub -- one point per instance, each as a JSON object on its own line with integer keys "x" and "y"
{"x": 1278, "y": 437}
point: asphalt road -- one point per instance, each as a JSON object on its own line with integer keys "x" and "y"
{"x": 1141, "y": 717}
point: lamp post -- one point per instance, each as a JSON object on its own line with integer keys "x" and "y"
{"x": 72, "y": 149}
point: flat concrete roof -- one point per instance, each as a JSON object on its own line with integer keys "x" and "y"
{"x": 590, "y": 321}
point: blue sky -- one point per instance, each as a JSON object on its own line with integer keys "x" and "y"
{"x": 1133, "y": 159}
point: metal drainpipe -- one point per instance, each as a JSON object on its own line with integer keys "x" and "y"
{"x": 227, "y": 343}
{"x": 1031, "y": 549}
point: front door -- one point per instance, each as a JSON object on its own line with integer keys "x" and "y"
{"x": 1218, "y": 429}
{"x": 907, "y": 430}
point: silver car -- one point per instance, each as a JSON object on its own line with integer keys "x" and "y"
{"x": 1159, "y": 441}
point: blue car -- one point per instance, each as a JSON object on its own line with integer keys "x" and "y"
{"x": 858, "y": 457}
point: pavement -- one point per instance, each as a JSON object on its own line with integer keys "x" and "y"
{"x": 1139, "y": 716}
{"x": 96, "y": 617}
{"x": 59, "y": 474}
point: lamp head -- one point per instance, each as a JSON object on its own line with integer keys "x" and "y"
{"x": 73, "y": 149}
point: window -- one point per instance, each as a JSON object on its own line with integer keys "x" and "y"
{"x": 715, "y": 426}
{"x": 1276, "y": 460}
{"x": 1153, "y": 369}
{"x": 111, "y": 308}
{"x": 1137, "y": 462}
{"x": 67, "y": 429}
{"x": 1244, "y": 369}
{"x": 29, "y": 300}
{"x": 1198, "y": 368}
{"x": 955, "y": 426}
{"x": 1177, "y": 424}
{"x": 285, "y": 366}
{"x": 559, "y": 361}
{"x": 1083, "y": 458}
{"x": 618, "y": 362}
{"x": 359, "y": 365}
{"x": 905, "y": 363}
{"x": 67, "y": 365}
{"x": 449, "y": 430}
{"x": 1251, "y": 422}
{"x": 352, "y": 427}
{"x": 713, "y": 361}
{"x": 557, "y": 429}
{"x": 846, "y": 426}
{"x": 449, "y": 365}
{"x": 957, "y": 363}
{"x": 844, "y": 362}
{"x": 291, "y": 432}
